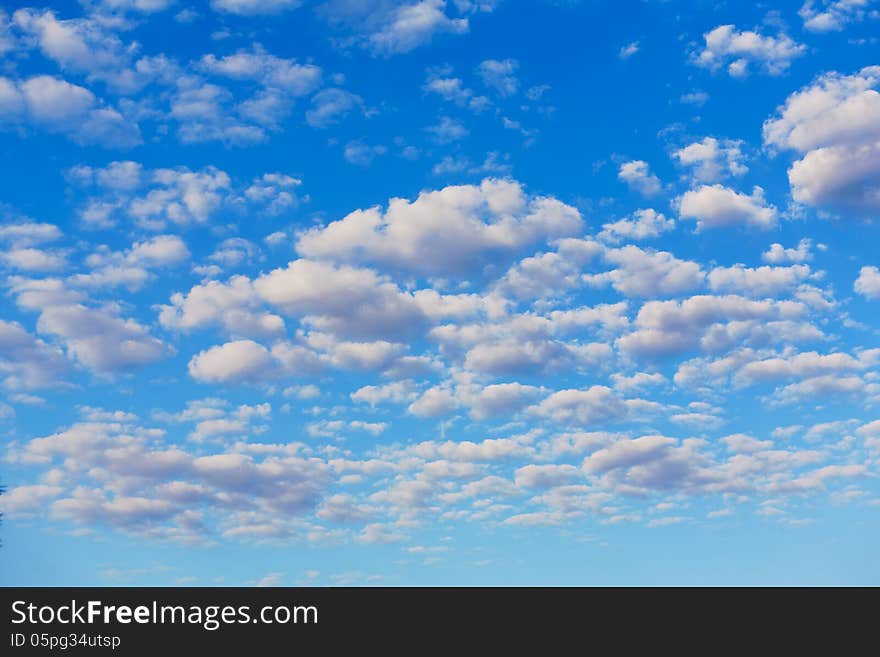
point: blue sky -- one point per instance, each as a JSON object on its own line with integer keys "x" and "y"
{"x": 439, "y": 293}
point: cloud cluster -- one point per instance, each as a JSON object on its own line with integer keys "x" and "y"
{"x": 834, "y": 125}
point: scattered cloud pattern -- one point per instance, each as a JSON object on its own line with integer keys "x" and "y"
{"x": 375, "y": 290}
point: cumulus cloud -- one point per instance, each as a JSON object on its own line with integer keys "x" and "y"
{"x": 254, "y": 7}
{"x": 644, "y": 224}
{"x": 642, "y": 273}
{"x": 868, "y": 283}
{"x": 716, "y": 206}
{"x": 834, "y": 15}
{"x": 834, "y": 123}
{"x": 345, "y": 300}
{"x": 233, "y": 305}
{"x": 55, "y": 105}
{"x": 444, "y": 232}
{"x": 238, "y": 361}
{"x": 734, "y": 50}
{"x": 408, "y": 26}
{"x": 388, "y": 28}
{"x": 594, "y": 406}
{"x": 670, "y": 327}
{"x": 712, "y": 160}
{"x": 180, "y": 196}
{"x": 778, "y": 254}
{"x": 330, "y": 106}
{"x": 758, "y": 281}
{"x": 26, "y": 362}
{"x": 500, "y": 75}
{"x": 637, "y": 174}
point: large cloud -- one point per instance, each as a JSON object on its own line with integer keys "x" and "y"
{"x": 834, "y": 123}
{"x": 451, "y": 231}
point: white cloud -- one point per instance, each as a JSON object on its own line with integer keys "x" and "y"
{"x": 29, "y": 233}
{"x": 33, "y": 260}
{"x": 735, "y": 50}
{"x": 839, "y": 178}
{"x": 361, "y": 154}
{"x": 329, "y": 106}
{"x": 26, "y": 362}
{"x": 344, "y": 300}
{"x": 273, "y": 72}
{"x": 142, "y": 6}
{"x": 155, "y": 198}
{"x": 500, "y": 75}
{"x": 758, "y": 281}
{"x": 868, "y": 283}
{"x": 434, "y": 402}
{"x": 407, "y": 26}
{"x": 644, "y": 224}
{"x": 449, "y": 231}
{"x": 642, "y": 273}
{"x": 254, "y": 7}
{"x": 778, "y": 254}
{"x": 637, "y": 174}
{"x": 80, "y": 45}
{"x": 835, "y": 124}
{"x": 628, "y": 50}
{"x": 447, "y": 130}
{"x": 712, "y": 160}
{"x": 716, "y": 206}
{"x": 58, "y": 106}
{"x": 238, "y": 361}
{"x": 834, "y": 15}
{"x": 595, "y": 405}
{"x": 450, "y": 89}
{"x": 670, "y": 327}
{"x": 233, "y": 305}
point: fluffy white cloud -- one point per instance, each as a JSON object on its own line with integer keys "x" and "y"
{"x": 637, "y": 174}
{"x": 133, "y": 267}
{"x": 86, "y": 46}
{"x": 345, "y": 300}
{"x": 155, "y": 198}
{"x": 716, "y": 206}
{"x": 26, "y": 362}
{"x": 271, "y": 71}
{"x": 241, "y": 360}
{"x": 329, "y": 106}
{"x": 839, "y": 178}
{"x": 758, "y": 281}
{"x": 835, "y": 124}
{"x": 142, "y": 6}
{"x": 96, "y": 337}
{"x": 500, "y": 75}
{"x": 57, "y": 106}
{"x": 595, "y": 405}
{"x": 408, "y": 26}
{"x": 444, "y": 232}
{"x": 254, "y": 7}
{"x": 434, "y": 402}
{"x": 711, "y": 160}
{"x": 778, "y": 254}
{"x": 233, "y": 305}
{"x": 642, "y": 273}
{"x": 868, "y": 283}
{"x": 33, "y": 260}
{"x": 735, "y": 50}
{"x": 669, "y": 327}
{"x": 29, "y": 233}
{"x": 834, "y": 15}
{"x": 644, "y": 224}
